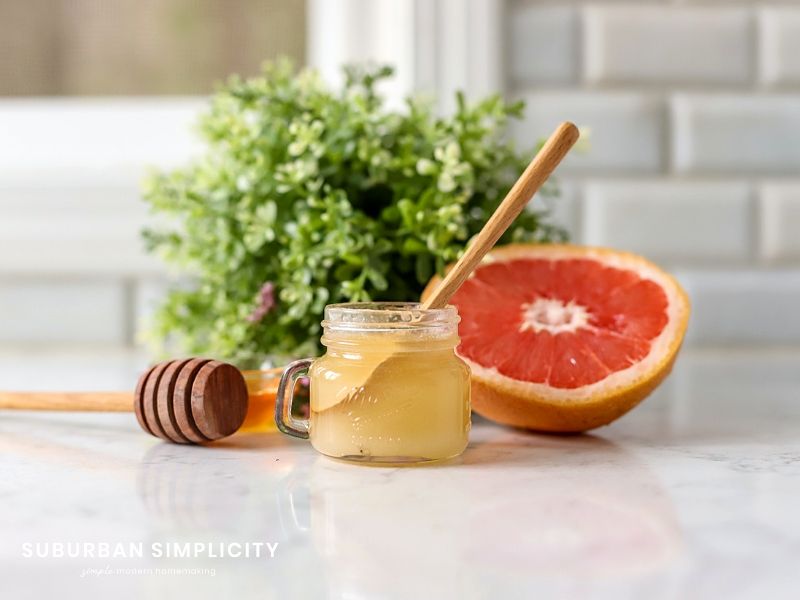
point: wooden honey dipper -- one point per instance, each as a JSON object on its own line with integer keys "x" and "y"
{"x": 186, "y": 401}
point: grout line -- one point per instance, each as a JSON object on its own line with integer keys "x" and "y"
{"x": 129, "y": 312}
{"x": 519, "y": 87}
{"x": 756, "y": 49}
{"x": 758, "y": 230}
{"x": 580, "y": 212}
{"x": 579, "y": 45}
{"x": 668, "y": 136}
{"x": 65, "y": 275}
{"x": 607, "y": 176}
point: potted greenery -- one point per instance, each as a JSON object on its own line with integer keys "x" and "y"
{"x": 309, "y": 195}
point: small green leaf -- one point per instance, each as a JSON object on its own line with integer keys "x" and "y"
{"x": 423, "y": 268}
{"x": 413, "y": 246}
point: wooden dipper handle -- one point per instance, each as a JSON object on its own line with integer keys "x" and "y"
{"x": 187, "y": 401}
{"x": 542, "y": 165}
{"x": 70, "y": 401}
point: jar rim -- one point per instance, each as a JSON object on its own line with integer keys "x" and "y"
{"x": 387, "y": 316}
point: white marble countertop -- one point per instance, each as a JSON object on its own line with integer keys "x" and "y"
{"x": 693, "y": 495}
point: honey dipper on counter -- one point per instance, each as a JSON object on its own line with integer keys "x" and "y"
{"x": 186, "y": 401}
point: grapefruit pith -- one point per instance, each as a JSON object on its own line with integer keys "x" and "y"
{"x": 566, "y": 338}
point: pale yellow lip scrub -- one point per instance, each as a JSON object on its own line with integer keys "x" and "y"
{"x": 389, "y": 389}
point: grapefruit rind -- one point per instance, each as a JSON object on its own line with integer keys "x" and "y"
{"x": 543, "y": 407}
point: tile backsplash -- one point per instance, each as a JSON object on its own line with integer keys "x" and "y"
{"x": 694, "y": 112}
{"x": 73, "y": 270}
{"x": 693, "y": 109}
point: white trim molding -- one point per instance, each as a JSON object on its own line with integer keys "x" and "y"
{"x": 437, "y": 46}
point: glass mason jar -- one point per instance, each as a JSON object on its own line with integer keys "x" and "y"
{"x": 389, "y": 389}
{"x": 262, "y": 387}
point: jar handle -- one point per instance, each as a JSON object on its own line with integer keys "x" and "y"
{"x": 283, "y": 401}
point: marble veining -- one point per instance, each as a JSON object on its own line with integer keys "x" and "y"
{"x": 693, "y": 495}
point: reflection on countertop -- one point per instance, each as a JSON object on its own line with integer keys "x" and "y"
{"x": 693, "y": 495}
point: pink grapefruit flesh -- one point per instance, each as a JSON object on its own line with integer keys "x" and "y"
{"x": 566, "y": 338}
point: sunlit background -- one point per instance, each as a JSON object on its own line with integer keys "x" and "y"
{"x": 694, "y": 161}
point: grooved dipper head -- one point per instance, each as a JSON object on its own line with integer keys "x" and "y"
{"x": 191, "y": 401}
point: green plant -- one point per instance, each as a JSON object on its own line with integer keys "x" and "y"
{"x": 308, "y": 196}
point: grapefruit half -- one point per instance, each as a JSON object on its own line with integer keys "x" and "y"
{"x": 566, "y": 338}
